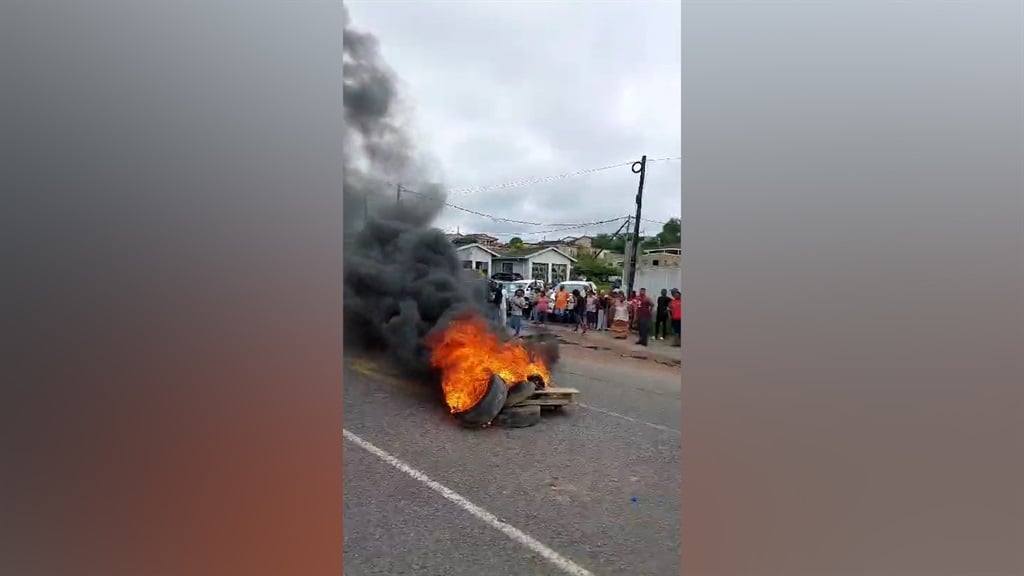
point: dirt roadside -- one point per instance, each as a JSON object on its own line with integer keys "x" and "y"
{"x": 604, "y": 345}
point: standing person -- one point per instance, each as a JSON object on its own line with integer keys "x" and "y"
{"x": 591, "y": 307}
{"x": 561, "y": 304}
{"x": 502, "y": 308}
{"x": 620, "y": 317}
{"x": 518, "y": 303}
{"x": 602, "y": 307}
{"x": 542, "y": 307}
{"x": 574, "y": 309}
{"x": 632, "y": 310}
{"x": 661, "y": 316}
{"x": 675, "y": 308}
{"x": 494, "y": 297}
{"x": 606, "y": 301}
{"x": 644, "y": 308}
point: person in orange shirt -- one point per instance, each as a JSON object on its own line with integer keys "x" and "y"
{"x": 561, "y": 303}
{"x": 675, "y": 310}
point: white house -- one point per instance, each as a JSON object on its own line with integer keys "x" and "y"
{"x": 659, "y": 269}
{"x": 476, "y": 257}
{"x": 548, "y": 264}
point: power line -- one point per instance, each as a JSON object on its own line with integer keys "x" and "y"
{"x": 577, "y": 227}
{"x": 531, "y": 181}
{"x": 527, "y": 182}
{"x": 561, "y": 225}
{"x": 512, "y": 220}
{"x": 540, "y": 179}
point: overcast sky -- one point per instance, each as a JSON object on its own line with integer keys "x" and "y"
{"x": 510, "y": 91}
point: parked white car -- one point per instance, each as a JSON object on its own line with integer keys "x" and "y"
{"x": 570, "y": 285}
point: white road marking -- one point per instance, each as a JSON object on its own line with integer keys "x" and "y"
{"x": 630, "y": 418}
{"x": 563, "y": 563}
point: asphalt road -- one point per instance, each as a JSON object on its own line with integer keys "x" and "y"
{"x": 592, "y": 490}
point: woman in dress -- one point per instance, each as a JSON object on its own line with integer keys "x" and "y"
{"x": 542, "y": 307}
{"x": 620, "y": 317}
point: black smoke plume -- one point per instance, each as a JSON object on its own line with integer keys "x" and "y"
{"x": 403, "y": 278}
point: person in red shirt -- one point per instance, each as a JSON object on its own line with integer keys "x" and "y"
{"x": 675, "y": 310}
{"x": 644, "y": 307}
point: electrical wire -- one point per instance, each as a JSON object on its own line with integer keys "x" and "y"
{"x": 542, "y": 179}
{"x": 577, "y": 227}
{"x": 530, "y": 181}
{"x": 513, "y": 220}
{"x": 527, "y": 182}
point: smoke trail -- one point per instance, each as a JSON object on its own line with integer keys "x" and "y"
{"x": 403, "y": 278}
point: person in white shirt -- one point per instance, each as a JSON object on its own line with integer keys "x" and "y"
{"x": 517, "y": 304}
{"x": 502, "y": 310}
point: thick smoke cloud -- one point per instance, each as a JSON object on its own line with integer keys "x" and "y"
{"x": 403, "y": 278}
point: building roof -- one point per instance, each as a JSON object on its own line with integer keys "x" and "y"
{"x": 469, "y": 238}
{"x": 475, "y": 245}
{"x": 664, "y": 250}
{"x": 529, "y": 252}
{"x": 546, "y": 243}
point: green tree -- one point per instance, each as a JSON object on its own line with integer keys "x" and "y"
{"x": 671, "y": 232}
{"x": 595, "y": 269}
{"x": 650, "y": 243}
{"x": 515, "y": 242}
{"x": 602, "y": 242}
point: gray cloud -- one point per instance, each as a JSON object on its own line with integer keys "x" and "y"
{"x": 500, "y": 92}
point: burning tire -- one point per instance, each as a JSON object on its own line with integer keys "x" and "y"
{"x": 519, "y": 392}
{"x": 484, "y": 411}
{"x": 518, "y": 417}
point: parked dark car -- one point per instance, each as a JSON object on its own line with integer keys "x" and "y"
{"x": 506, "y": 276}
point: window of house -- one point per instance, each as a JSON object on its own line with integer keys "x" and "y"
{"x": 558, "y": 273}
{"x": 654, "y": 263}
{"x": 483, "y": 267}
{"x": 467, "y": 264}
{"x": 539, "y": 271}
{"x": 506, "y": 267}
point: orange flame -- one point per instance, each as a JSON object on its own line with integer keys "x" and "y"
{"x": 468, "y": 353}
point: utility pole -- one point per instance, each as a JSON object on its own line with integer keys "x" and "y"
{"x": 641, "y": 169}
{"x": 398, "y": 195}
{"x": 626, "y": 252}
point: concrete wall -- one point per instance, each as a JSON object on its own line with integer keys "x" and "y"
{"x": 656, "y": 278}
{"x": 517, "y": 266}
{"x": 479, "y": 259}
{"x": 476, "y": 254}
{"x": 662, "y": 258}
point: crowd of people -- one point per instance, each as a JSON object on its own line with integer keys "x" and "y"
{"x": 595, "y": 310}
{"x": 615, "y": 312}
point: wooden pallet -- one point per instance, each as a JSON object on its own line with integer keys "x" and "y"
{"x": 552, "y": 397}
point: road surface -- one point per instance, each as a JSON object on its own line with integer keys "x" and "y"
{"x": 593, "y": 490}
